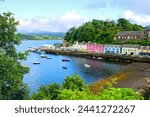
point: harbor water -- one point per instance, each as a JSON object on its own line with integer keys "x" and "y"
{"x": 54, "y": 70}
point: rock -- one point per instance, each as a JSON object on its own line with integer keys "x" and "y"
{"x": 142, "y": 92}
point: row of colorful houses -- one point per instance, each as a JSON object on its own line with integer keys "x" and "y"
{"x": 125, "y": 49}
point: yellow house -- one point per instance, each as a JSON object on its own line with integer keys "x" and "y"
{"x": 130, "y": 49}
{"x": 144, "y": 50}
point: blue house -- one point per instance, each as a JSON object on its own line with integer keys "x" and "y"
{"x": 112, "y": 49}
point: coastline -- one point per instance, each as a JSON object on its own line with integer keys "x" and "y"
{"x": 134, "y": 76}
{"x": 111, "y": 57}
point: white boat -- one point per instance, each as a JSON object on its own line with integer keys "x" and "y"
{"x": 36, "y": 62}
{"x": 43, "y": 56}
{"x": 86, "y": 65}
{"x": 100, "y": 58}
{"x": 48, "y": 57}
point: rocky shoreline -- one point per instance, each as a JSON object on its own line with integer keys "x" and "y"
{"x": 135, "y": 75}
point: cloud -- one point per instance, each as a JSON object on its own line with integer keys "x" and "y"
{"x": 94, "y": 5}
{"x": 141, "y": 19}
{"x": 137, "y": 6}
{"x": 52, "y": 24}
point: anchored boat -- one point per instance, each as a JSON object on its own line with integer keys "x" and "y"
{"x": 87, "y": 65}
{"x": 36, "y": 62}
{"x": 64, "y": 67}
{"x": 65, "y": 60}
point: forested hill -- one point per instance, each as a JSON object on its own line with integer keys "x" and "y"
{"x": 42, "y": 35}
{"x": 100, "y": 31}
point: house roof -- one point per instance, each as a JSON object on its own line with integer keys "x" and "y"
{"x": 131, "y": 46}
{"x": 112, "y": 45}
{"x": 145, "y": 47}
{"x": 123, "y": 33}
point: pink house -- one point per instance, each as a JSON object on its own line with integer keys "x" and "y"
{"x": 95, "y": 48}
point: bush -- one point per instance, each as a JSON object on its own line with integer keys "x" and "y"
{"x": 68, "y": 94}
{"x": 120, "y": 94}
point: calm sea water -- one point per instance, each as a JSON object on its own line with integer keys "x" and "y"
{"x": 50, "y": 70}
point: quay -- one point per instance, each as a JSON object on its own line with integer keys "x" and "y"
{"x": 112, "y": 57}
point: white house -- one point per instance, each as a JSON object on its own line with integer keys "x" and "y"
{"x": 79, "y": 46}
{"x": 130, "y": 49}
{"x": 75, "y": 46}
{"x": 45, "y": 47}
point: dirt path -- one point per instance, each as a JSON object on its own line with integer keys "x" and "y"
{"x": 132, "y": 77}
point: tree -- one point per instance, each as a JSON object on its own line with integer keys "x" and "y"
{"x": 124, "y": 24}
{"x": 47, "y": 92}
{"x": 100, "y": 31}
{"x": 70, "y": 34}
{"x": 74, "y": 82}
{"x": 11, "y": 69}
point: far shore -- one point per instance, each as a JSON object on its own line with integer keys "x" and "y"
{"x": 41, "y": 39}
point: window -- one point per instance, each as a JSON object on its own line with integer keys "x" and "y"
{"x": 134, "y": 37}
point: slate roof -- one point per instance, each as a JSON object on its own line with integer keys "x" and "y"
{"x": 112, "y": 45}
{"x": 145, "y": 47}
{"x": 131, "y": 46}
{"x": 123, "y": 33}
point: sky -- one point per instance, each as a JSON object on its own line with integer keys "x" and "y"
{"x": 60, "y": 15}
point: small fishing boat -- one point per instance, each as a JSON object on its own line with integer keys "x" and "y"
{"x": 65, "y": 60}
{"x": 36, "y": 62}
{"x": 100, "y": 58}
{"x": 48, "y": 57}
{"x": 43, "y": 56}
{"x": 87, "y": 65}
{"x": 64, "y": 67}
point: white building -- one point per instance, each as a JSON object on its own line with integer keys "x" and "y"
{"x": 130, "y": 49}
{"x": 47, "y": 47}
{"x": 79, "y": 46}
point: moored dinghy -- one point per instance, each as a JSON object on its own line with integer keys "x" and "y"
{"x": 36, "y": 62}
{"x": 87, "y": 65}
{"x": 43, "y": 56}
{"x": 64, "y": 67}
{"x": 65, "y": 60}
